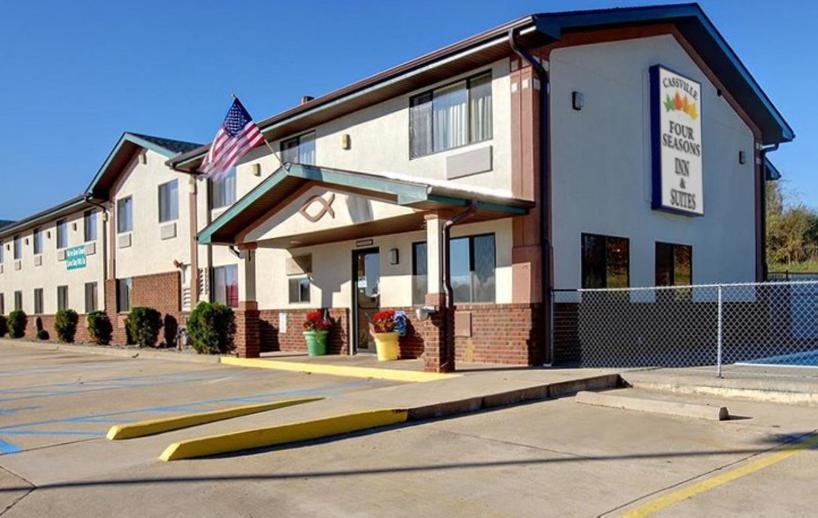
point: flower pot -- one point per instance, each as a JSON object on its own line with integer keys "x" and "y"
{"x": 387, "y": 346}
{"x": 316, "y": 342}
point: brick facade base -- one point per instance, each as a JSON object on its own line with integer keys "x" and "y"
{"x": 37, "y": 322}
{"x": 162, "y": 292}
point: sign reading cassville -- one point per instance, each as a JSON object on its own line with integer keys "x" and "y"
{"x": 676, "y": 134}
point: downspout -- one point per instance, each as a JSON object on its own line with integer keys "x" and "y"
{"x": 763, "y": 208}
{"x": 105, "y": 221}
{"x": 545, "y": 210}
{"x": 448, "y": 301}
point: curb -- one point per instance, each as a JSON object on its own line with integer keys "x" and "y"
{"x": 157, "y": 426}
{"x": 119, "y": 352}
{"x": 338, "y": 370}
{"x": 655, "y": 406}
{"x": 282, "y": 434}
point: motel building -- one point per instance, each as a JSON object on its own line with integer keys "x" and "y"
{"x": 608, "y": 148}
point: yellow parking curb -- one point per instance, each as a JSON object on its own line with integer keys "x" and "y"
{"x": 155, "y": 426}
{"x": 283, "y": 434}
{"x": 338, "y": 370}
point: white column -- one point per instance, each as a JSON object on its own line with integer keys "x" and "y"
{"x": 434, "y": 253}
{"x": 247, "y": 274}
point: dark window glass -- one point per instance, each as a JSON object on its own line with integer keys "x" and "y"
{"x": 91, "y": 304}
{"x": 62, "y": 234}
{"x": 62, "y": 298}
{"x": 38, "y": 241}
{"x": 18, "y": 247}
{"x": 419, "y": 273}
{"x": 605, "y": 262}
{"x": 124, "y": 287}
{"x": 299, "y": 289}
{"x": 89, "y": 219}
{"x": 2, "y": 302}
{"x": 38, "y": 301}
{"x": 226, "y": 285}
{"x": 674, "y": 265}
{"x": 299, "y": 150}
{"x": 18, "y": 300}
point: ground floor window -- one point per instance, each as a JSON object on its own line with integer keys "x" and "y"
{"x": 226, "y": 285}
{"x": 419, "y": 273}
{"x": 674, "y": 264}
{"x": 2, "y": 299}
{"x": 62, "y": 298}
{"x": 91, "y": 303}
{"x": 124, "y": 287}
{"x": 38, "y": 301}
{"x": 18, "y": 301}
{"x": 605, "y": 261}
{"x": 472, "y": 264}
{"x": 299, "y": 290}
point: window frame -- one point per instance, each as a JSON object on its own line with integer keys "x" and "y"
{"x": 297, "y": 139}
{"x": 89, "y": 215}
{"x": 37, "y": 241}
{"x": 300, "y": 299}
{"x": 174, "y": 208}
{"x": 211, "y": 188}
{"x": 471, "y": 238}
{"x": 61, "y": 223}
{"x": 673, "y": 247}
{"x": 17, "y": 248}
{"x": 119, "y": 207}
{"x": 415, "y": 274}
{"x": 18, "y": 300}
{"x": 227, "y": 298}
{"x": 62, "y": 298}
{"x": 38, "y": 301}
{"x": 583, "y": 235}
{"x": 431, "y": 92}
{"x": 94, "y": 299}
{"x": 127, "y": 281}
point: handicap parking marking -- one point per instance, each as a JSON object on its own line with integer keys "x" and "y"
{"x": 7, "y": 448}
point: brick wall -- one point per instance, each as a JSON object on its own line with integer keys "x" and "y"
{"x": 293, "y": 340}
{"x": 161, "y": 291}
{"x": 501, "y": 333}
{"x": 37, "y": 322}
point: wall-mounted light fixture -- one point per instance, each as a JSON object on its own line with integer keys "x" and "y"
{"x": 346, "y": 141}
{"x": 742, "y": 158}
{"x": 394, "y": 256}
{"x": 143, "y": 157}
{"x": 48, "y": 234}
{"x": 256, "y": 169}
{"x": 577, "y": 100}
{"x": 74, "y": 226}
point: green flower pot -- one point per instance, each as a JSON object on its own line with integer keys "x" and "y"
{"x": 316, "y": 342}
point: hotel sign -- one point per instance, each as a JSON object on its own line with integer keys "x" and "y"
{"x": 676, "y": 142}
{"x": 75, "y": 258}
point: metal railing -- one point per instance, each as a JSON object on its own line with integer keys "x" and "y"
{"x": 773, "y": 323}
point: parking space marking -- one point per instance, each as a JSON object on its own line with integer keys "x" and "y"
{"x": 7, "y": 447}
{"x": 784, "y": 453}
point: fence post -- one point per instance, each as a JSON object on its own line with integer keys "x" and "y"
{"x": 720, "y": 337}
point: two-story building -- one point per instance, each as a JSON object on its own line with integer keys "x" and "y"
{"x": 608, "y": 148}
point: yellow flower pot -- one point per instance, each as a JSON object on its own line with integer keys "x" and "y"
{"x": 387, "y": 346}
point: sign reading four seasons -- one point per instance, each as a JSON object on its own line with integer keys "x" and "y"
{"x": 676, "y": 133}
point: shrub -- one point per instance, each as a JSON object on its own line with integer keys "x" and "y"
{"x": 65, "y": 323}
{"x": 143, "y": 326}
{"x": 99, "y": 327}
{"x": 3, "y": 326}
{"x": 211, "y": 327}
{"x": 316, "y": 322}
{"x": 17, "y": 323}
{"x": 42, "y": 334}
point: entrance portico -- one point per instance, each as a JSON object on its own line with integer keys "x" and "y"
{"x": 348, "y": 243}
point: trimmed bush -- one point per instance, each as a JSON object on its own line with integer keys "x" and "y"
{"x": 211, "y": 327}
{"x": 143, "y": 326}
{"x": 42, "y": 334}
{"x": 99, "y": 326}
{"x": 17, "y": 322}
{"x": 65, "y": 323}
{"x": 3, "y": 326}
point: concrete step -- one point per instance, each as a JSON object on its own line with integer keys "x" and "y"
{"x": 629, "y": 399}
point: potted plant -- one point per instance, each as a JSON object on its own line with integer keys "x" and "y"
{"x": 316, "y": 328}
{"x": 386, "y": 336}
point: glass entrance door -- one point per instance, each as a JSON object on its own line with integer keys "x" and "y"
{"x": 366, "y": 279}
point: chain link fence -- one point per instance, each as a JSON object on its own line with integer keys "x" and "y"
{"x": 774, "y": 323}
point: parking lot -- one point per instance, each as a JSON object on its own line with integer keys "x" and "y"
{"x": 550, "y": 458}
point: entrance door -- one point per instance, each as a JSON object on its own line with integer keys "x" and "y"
{"x": 366, "y": 295}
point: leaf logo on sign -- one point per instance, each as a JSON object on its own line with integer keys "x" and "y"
{"x": 681, "y": 103}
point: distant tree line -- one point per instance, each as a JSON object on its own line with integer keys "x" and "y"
{"x": 792, "y": 232}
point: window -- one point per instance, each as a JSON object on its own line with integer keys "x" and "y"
{"x": 38, "y": 241}
{"x": 124, "y": 215}
{"x": 419, "y": 273}
{"x": 169, "y": 201}
{"x": 18, "y": 247}
{"x": 605, "y": 262}
{"x": 62, "y": 234}
{"x": 89, "y": 220}
{"x": 451, "y": 116}
{"x": 299, "y": 289}
{"x": 124, "y": 287}
{"x": 226, "y": 285}
{"x": 90, "y": 297}
{"x": 62, "y": 298}
{"x": 2, "y": 302}
{"x": 674, "y": 265}
{"x": 18, "y": 300}
{"x": 299, "y": 150}
{"x": 38, "y": 301}
{"x": 2, "y": 255}
{"x": 223, "y": 190}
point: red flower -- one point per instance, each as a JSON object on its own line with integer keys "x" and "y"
{"x": 383, "y": 321}
{"x": 316, "y": 322}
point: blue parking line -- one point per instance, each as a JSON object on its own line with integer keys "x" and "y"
{"x": 7, "y": 447}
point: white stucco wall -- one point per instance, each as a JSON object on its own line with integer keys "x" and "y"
{"x": 601, "y": 169}
{"x": 53, "y": 272}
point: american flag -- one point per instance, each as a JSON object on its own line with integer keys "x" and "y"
{"x": 238, "y": 135}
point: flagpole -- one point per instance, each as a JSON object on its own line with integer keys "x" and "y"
{"x": 267, "y": 142}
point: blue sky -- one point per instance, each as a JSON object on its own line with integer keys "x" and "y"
{"x": 75, "y": 75}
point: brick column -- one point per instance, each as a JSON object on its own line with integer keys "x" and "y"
{"x": 438, "y": 355}
{"x": 248, "y": 332}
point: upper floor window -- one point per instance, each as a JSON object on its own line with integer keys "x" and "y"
{"x": 605, "y": 261}
{"x": 450, "y": 116}
{"x": 223, "y": 190}
{"x": 89, "y": 219}
{"x": 124, "y": 215}
{"x": 299, "y": 150}
{"x": 674, "y": 265}
{"x": 18, "y": 247}
{"x": 169, "y": 201}
{"x": 62, "y": 234}
{"x": 38, "y": 241}
{"x": 2, "y": 258}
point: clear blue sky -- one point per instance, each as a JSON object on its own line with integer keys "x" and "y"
{"x": 75, "y": 75}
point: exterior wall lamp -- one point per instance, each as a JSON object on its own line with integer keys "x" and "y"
{"x": 577, "y": 100}
{"x": 394, "y": 256}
